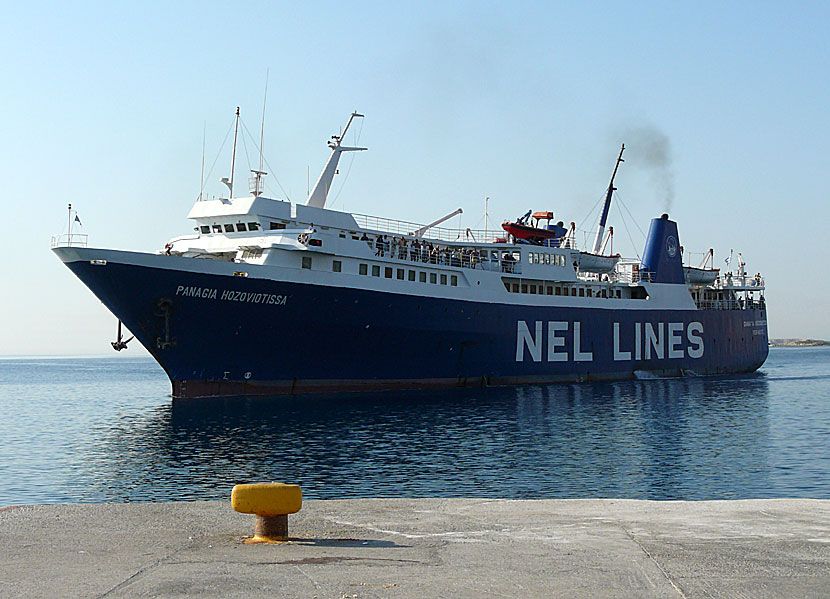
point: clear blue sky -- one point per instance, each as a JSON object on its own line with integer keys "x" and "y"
{"x": 103, "y": 105}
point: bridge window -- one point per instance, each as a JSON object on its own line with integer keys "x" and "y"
{"x": 375, "y": 270}
{"x": 274, "y": 226}
{"x": 387, "y": 272}
{"x": 307, "y": 262}
{"x": 443, "y": 279}
{"x": 422, "y": 277}
{"x": 228, "y": 228}
{"x": 363, "y": 269}
{"x": 411, "y": 275}
{"x": 217, "y": 228}
{"x": 337, "y": 266}
{"x": 253, "y": 226}
{"x": 581, "y": 292}
{"x": 399, "y": 274}
{"x": 454, "y": 281}
{"x": 241, "y": 227}
{"x": 205, "y": 229}
{"x": 433, "y": 278}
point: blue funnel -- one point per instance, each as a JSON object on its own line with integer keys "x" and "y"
{"x": 662, "y": 261}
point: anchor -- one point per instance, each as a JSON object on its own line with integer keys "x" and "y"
{"x": 119, "y": 343}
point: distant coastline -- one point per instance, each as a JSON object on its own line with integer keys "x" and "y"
{"x": 798, "y": 343}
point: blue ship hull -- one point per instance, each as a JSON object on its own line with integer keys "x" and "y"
{"x": 220, "y": 335}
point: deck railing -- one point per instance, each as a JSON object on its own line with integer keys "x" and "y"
{"x": 406, "y": 228}
{"x": 442, "y": 256}
{"x": 78, "y": 240}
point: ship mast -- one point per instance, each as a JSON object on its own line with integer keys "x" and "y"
{"x": 607, "y": 205}
{"x": 225, "y": 180}
{"x": 318, "y": 195}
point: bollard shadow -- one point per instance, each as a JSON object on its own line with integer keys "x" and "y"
{"x": 347, "y": 542}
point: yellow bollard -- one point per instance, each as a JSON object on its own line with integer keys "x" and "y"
{"x": 271, "y": 502}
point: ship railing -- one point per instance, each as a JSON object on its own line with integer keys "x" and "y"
{"x": 78, "y": 240}
{"x": 743, "y": 282}
{"x": 406, "y": 228}
{"x": 631, "y": 276}
{"x": 731, "y": 304}
{"x": 445, "y": 256}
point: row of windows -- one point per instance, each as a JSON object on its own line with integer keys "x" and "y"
{"x": 550, "y": 288}
{"x": 545, "y": 258}
{"x": 240, "y": 227}
{"x": 407, "y": 274}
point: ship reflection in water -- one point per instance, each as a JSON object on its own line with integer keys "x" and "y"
{"x": 692, "y": 438}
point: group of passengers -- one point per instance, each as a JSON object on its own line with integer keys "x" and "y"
{"x": 416, "y": 250}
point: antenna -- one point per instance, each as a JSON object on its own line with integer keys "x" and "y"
{"x": 202, "y": 181}
{"x": 256, "y": 180}
{"x": 262, "y": 130}
{"x": 486, "y": 201}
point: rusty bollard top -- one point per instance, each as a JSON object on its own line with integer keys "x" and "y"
{"x": 271, "y": 502}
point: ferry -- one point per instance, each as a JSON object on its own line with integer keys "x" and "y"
{"x": 273, "y": 297}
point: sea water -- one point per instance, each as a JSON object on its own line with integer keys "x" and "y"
{"x": 106, "y": 430}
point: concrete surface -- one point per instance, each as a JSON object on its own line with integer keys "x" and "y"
{"x": 403, "y": 548}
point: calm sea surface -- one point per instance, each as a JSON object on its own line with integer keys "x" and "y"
{"x": 105, "y": 430}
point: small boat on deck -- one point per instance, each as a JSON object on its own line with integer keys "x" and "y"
{"x": 532, "y": 232}
{"x": 700, "y": 276}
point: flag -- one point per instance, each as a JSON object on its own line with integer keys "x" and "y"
{"x": 727, "y": 259}
{"x": 78, "y": 219}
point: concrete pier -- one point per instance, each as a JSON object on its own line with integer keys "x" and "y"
{"x": 405, "y": 548}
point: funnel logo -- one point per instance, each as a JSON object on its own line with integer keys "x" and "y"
{"x": 671, "y": 246}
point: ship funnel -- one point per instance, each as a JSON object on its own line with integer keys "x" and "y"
{"x": 662, "y": 261}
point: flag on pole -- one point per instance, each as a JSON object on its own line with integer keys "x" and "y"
{"x": 727, "y": 260}
{"x": 78, "y": 219}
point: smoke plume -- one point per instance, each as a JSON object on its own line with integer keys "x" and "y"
{"x": 648, "y": 148}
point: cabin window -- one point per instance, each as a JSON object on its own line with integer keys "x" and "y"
{"x": 590, "y": 293}
{"x": 253, "y": 226}
{"x": 533, "y": 289}
{"x": 581, "y": 292}
{"x": 411, "y": 275}
{"x": 387, "y": 272}
{"x": 205, "y": 229}
{"x": 573, "y": 292}
{"x": 557, "y": 290}
{"x": 399, "y": 274}
{"x": 337, "y": 266}
{"x": 217, "y": 228}
{"x": 618, "y": 293}
{"x": 375, "y": 270}
{"x": 507, "y": 286}
{"x": 454, "y": 281}
{"x": 274, "y": 226}
{"x": 363, "y": 269}
{"x": 550, "y": 290}
{"x": 307, "y": 262}
{"x": 515, "y": 288}
{"x": 241, "y": 227}
{"x": 228, "y": 228}
{"x": 443, "y": 279}
{"x": 547, "y": 258}
{"x": 433, "y": 278}
{"x": 524, "y": 287}
{"x": 422, "y": 277}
